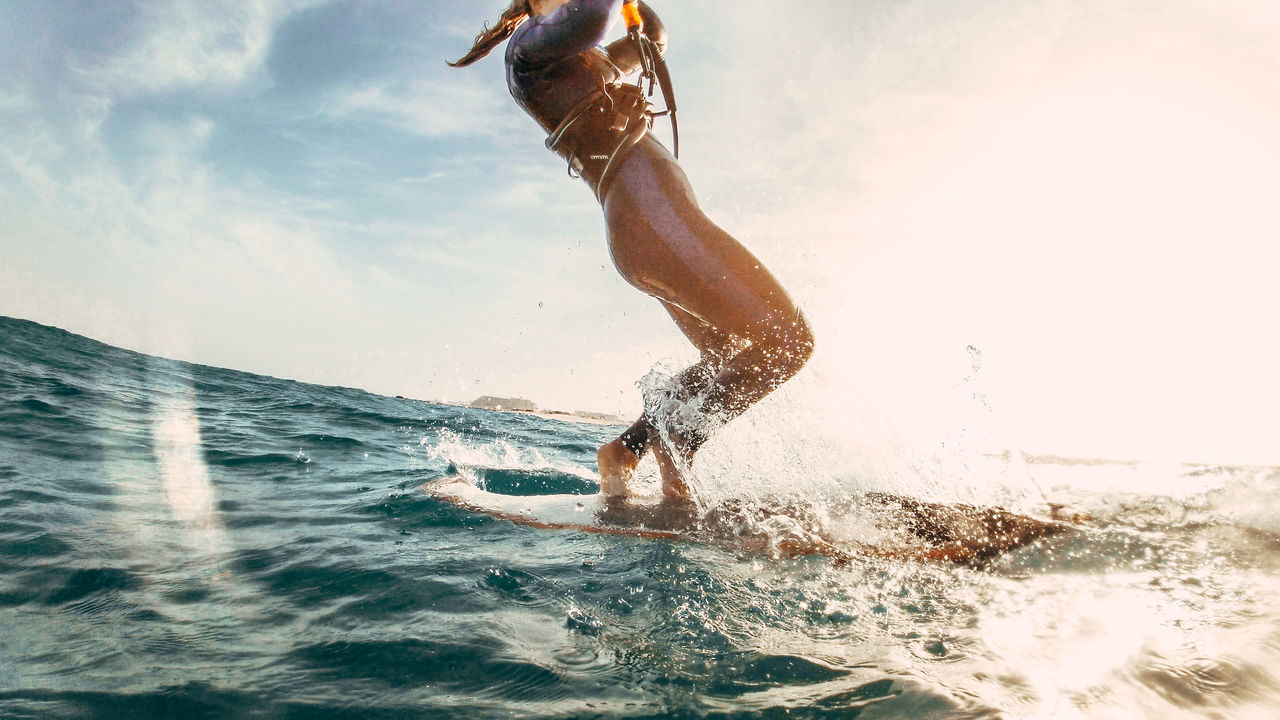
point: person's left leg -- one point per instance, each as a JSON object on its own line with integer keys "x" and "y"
{"x": 663, "y": 244}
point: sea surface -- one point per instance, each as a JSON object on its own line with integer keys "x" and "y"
{"x": 185, "y": 541}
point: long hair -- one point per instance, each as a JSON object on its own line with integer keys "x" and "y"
{"x": 515, "y": 14}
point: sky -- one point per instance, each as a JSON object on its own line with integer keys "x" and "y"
{"x": 1053, "y": 221}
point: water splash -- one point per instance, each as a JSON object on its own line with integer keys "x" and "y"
{"x": 468, "y": 458}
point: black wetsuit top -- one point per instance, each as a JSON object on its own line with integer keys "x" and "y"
{"x": 554, "y": 62}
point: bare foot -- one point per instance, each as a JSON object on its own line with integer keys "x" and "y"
{"x": 617, "y": 468}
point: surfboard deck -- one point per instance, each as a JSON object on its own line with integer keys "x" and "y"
{"x": 583, "y": 513}
{"x": 914, "y": 530}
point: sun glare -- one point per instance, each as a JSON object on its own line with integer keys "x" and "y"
{"x": 1108, "y": 254}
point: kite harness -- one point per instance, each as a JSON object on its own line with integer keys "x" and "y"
{"x": 596, "y": 134}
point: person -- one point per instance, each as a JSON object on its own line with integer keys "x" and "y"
{"x": 750, "y": 335}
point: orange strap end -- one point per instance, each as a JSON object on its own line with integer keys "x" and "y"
{"x": 631, "y": 13}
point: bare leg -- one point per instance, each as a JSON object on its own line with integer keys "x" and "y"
{"x": 774, "y": 356}
{"x": 751, "y": 334}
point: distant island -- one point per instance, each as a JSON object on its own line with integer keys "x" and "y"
{"x": 521, "y": 405}
{"x": 489, "y": 402}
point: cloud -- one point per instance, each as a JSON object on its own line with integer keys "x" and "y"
{"x": 435, "y": 108}
{"x": 439, "y": 253}
{"x": 31, "y": 174}
{"x": 188, "y": 43}
{"x": 14, "y": 101}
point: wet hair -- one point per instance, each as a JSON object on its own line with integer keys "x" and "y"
{"x": 515, "y": 14}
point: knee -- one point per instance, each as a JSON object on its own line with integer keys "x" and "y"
{"x": 800, "y": 342}
{"x": 804, "y": 333}
{"x": 790, "y": 346}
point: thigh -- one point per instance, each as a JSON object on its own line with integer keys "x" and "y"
{"x": 663, "y": 244}
{"x": 714, "y": 344}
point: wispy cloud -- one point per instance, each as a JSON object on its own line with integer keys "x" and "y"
{"x": 188, "y": 43}
{"x": 446, "y": 107}
{"x": 13, "y": 101}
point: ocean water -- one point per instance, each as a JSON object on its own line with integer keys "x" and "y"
{"x": 185, "y": 541}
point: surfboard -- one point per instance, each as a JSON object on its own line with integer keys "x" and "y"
{"x": 904, "y": 529}
{"x": 584, "y": 513}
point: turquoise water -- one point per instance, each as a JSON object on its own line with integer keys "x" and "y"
{"x": 184, "y": 541}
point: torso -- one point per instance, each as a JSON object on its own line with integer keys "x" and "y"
{"x": 549, "y": 91}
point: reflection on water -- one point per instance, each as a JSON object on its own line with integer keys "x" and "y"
{"x": 176, "y": 443}
{"x": 186, "y": 481}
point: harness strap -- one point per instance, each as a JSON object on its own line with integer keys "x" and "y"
{"x": 653, "y": 67}
{"x": 598, "y": 132}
